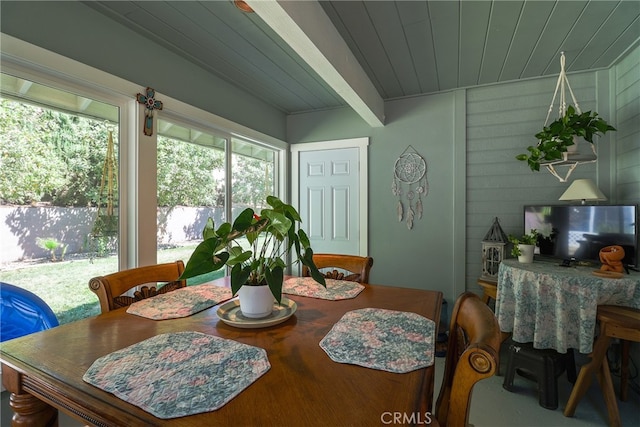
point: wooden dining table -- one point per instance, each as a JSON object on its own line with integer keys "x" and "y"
{"x": 44, "y": 371}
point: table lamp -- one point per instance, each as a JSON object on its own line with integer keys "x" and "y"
{"x": 583, "y": 189}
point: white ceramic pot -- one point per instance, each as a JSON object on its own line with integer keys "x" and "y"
{"x": 256, "y": 301}
{"x": 526, "y": 253}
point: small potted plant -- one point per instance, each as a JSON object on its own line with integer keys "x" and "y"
{"x": 259, "y": 270}
{"x": 555, "y": 139}
{"x": 523, "y": 247}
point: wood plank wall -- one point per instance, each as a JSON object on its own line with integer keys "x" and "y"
{"x": 501, "y": 122}
{"x": 627, "y": 107}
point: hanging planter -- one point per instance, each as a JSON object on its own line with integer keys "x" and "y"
{"x": 557, "y": 142}
{"x": 105, "y": 225}
{"x": 104, "y": 233}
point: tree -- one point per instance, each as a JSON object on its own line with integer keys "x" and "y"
{"x": 187, "y": 173}
{"x": 252, "y": 181}
{"x": 52, "y": 156}
{"x": 29, "y": 171}
{"x": 81, "y": 143}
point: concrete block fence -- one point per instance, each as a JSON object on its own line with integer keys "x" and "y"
{"x": 21, "y": 226}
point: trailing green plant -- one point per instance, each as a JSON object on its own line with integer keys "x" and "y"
{"x": 555, "y": 139}
{"x": 272, "y": 235}
{"x": 530, "y": 238}
{"x": 51, "y": 244}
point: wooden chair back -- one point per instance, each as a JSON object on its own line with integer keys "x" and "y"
{"x": 472, "y": 355}
{"x": 110, "y": 288}
{"x": 357, "y": 267}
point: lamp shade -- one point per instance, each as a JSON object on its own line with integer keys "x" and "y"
{"x": 583, "y": 189}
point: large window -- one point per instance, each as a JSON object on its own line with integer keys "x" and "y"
{"x": 191, "y": 184}
{"x": 59, "y": 193}
{"x": 74, "y": 170}
{"x": 190, "y": 187}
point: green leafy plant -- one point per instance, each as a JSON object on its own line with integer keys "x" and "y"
{"x": 530, "y": 238}
{"x": 555, "y": 139}
{"x": 51, "y": 244}
{"x": 272, "y": 235}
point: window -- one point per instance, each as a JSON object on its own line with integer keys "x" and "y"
{"x": 100, "y": 104}
{"x": 191, "y": 177}
{"x": 253, "y": 175}
{"x": 58, "y": 193}
{"x": 190, "y": 186}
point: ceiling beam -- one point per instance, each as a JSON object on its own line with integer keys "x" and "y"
{"x": 308, "y": 30}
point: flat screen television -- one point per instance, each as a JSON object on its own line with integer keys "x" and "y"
{"x": 581, "y": 231}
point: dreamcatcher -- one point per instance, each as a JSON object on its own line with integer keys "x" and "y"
{"x": 410, "y": 169}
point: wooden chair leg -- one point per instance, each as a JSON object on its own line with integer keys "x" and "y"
{"x": 606, "y": 384}
{"x": 486, "y": 298}
{"x": 586, "y": 374}
{"x": 624, "y": 369}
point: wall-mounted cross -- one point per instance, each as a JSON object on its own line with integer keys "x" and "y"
{"x": 150, "y": 104}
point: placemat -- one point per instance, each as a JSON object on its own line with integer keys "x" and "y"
{"x": 377, "y": 338}
{"x": 336, "y": 289}
{"x": 179, "y": 374}
{"x": 182, "y": 302}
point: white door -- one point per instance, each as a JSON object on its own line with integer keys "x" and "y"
{"x": 331, "y": 194}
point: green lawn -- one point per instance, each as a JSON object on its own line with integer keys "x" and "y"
{"x": 65, "y": 285}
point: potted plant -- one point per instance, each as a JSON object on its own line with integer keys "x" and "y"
{"x": 271, "y": 235}
{"x": 523, "y": 247}
{"x": 555, "y": 139}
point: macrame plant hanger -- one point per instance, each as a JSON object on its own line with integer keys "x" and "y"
{"x": 105, "y": 225}
{"x": 410, "y": 170}
{"x": 562, "y": 85}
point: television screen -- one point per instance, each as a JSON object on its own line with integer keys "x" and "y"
{"x": 581, "y": 231}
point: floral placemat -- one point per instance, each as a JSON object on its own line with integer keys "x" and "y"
{"x": 377, "y": 338}
{"x": 336, "y": 289}
{"x": 179, "y": 374}
{"x": 182, "y": 302}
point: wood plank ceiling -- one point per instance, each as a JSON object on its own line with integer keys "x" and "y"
{"x": 404, "y": 48}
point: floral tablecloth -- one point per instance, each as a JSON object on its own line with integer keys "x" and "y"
{"x": 555, "y": 307}
{"x": 387, "y": 340}
{"x": 308, "y": 287}
{"x": 182, "y": 302}
{"x": 179, "y": 374}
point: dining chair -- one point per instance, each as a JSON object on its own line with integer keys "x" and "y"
{"x": 472, "y": 355}
{"x": 615, "y": 322}
{"x": 489, "y": 289}
{"x": 110, "y": 288}
{"x": 22, "y": 313}
{"x": 342, "y": 267}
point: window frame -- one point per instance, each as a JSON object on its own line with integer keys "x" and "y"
{"x": 138, "y": 240}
